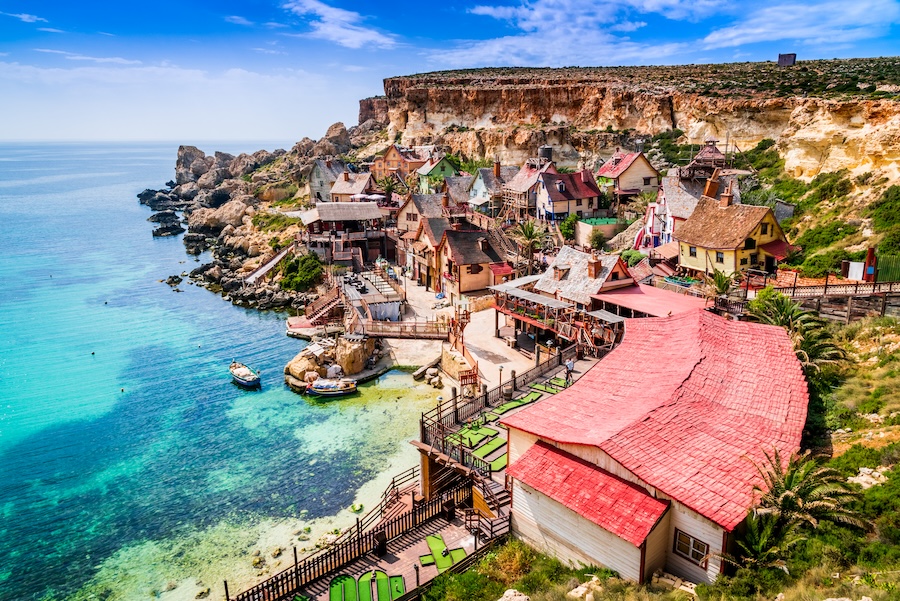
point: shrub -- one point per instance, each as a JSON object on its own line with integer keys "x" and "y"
{"x": 824, "y": 235}
{"x": 301, "y": 274}
{"x": 597, "y": 240}
{"x": 890, "y": 244}
{"x": 632, "y": 257}
{"x": 885, "y": 212}
{"x": 268, "y": 222}
{"x": 567, "y": 226}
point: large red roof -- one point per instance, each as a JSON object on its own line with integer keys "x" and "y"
{"x": 617, "y": 164}
{"x": 624, "y": 509}
{"x": 651, "y": 300}
{"x": 687, "y": 404}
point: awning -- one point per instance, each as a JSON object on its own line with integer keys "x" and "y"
{"x": 777, "y": 248}
{"x": 538, "y": 299}
{"x": 606, "y": 316}
{"x": 501, "y": 268}
{"x": 666, "y": 251}
{"x": 651, "y": 300}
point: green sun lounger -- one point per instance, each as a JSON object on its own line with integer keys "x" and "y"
{"x": 382, "y": 586}
{"x": 485, "y": 450}
{"x": 499, "y": 463}
{"x": 343, "y": 588}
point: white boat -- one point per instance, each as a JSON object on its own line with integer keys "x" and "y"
{"x": 331, "y": 387}
{"x": 243, "y": 375}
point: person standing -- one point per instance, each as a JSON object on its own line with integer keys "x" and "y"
{"x": 570, "y": 367}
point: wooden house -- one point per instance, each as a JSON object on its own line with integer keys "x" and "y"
{"x": 398, "y": 161}
{"x": 520, "y": 192}
{"x": 350, "y": 187}
{"x": 627, "y": 174}
{"x": 417, "y": 207}
{"x": 644, "y": 465}
{"x": 574, "y": 276}
{"x": 322, "y": 177}
{"x": 349, "y": 233}
{"x": 727, "y": 237}
{"x": 466, "y": 258}
{"x": 486, "y": 191}
{"x": 433, "y": 173}
{"x": 424, "y": 262}
{"x": 562, "y": 194}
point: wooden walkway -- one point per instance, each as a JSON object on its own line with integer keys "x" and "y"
{"x": 262, "y": 270}
{"x": 403, "y": 554}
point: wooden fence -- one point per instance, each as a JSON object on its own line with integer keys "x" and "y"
{"x": 438, "y": 330}
{"x": 855, "y": 289}
{"x": 353, "y": 544}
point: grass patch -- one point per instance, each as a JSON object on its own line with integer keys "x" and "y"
{"x": 270, "y": 222}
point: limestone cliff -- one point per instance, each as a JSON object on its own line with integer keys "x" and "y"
{"x": 508, "y": 113}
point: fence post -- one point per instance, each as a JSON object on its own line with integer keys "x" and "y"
{"x": 512, "y": 374}
{"x": 296, "y": 570}
{"x": 227, "y": 597}
{"x": 455, "y": 405}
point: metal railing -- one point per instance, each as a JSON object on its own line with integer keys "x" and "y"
{"x": 855, "y": 289}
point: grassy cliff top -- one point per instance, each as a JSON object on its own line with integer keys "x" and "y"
{"x": 858, "y": 77}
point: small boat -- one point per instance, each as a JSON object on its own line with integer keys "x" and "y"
{"x": 331, "y": 387}
{"x": 243, "y": 375}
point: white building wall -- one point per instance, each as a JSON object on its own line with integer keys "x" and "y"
{"x": 657, "y": 546}
{"x": 680, "y": 517}
{"x": 551, "y": 527}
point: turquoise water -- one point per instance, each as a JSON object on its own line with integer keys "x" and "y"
{"x": 129, "y": 463}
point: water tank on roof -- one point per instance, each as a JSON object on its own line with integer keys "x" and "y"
{"x": 545, "y": 152}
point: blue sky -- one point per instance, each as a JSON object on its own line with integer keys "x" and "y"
{"x": 190, "y": 70}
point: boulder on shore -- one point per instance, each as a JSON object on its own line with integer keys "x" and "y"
{"x": 352, "y": 356}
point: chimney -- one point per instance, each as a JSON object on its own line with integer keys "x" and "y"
{"x": 594, "y": 266}
{"x": 727, "y": 197}
{"x": 585, "y": 176}
{"x": 497, "y": 168}
{"x": 712, "y": 184}
{"x": 328, "y": 163}
{"x": 482, "y": 244}
{"x": 346, "y": 176}
{"x": 445, "y": 200}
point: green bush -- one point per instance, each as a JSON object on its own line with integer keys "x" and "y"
{"x": 823, "y": 236}
{"x": 632, "y": 257}
{"x": 302, "y": 273}
{"x": 567, "y": 226}
{"x": 269, "y": 222}
{"x": 597, "y": 240}
{"x": 885, "y": 212}
{"x": 890, "y": 244}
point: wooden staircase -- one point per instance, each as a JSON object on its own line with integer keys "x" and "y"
{"x": 318, "y": 312}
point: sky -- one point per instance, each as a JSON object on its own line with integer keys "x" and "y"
{"x": 191, "y": 70}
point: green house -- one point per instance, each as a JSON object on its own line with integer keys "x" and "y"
{"x": 433, "y": 172}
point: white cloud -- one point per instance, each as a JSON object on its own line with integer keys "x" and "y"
{"x": 338, "y": 25}
{"x": 72, "y": 56}
{"x": 236, "y": 20}
{"x": 269, "y": 51}
{"x": 50, "y": 30}
{"x": 112, "y": 35}
{"x": 25, "y": 18}
{"x": 834, "y": 22}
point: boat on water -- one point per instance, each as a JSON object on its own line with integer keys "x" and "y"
{"x": 331, "y": 387}
{"x": 243, "y": 375}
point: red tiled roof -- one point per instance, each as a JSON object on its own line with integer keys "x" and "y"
{"x": 777, "y": 248}
{"x": 617, "y": 164}
{"x": 501, "y": 268}
{"x": 575, "y": 186}
{"x": 528, "y": 175}
{"x": 615, "y": 505}
{"x": 651, "y": 300}
{"x": 692, "y": 423}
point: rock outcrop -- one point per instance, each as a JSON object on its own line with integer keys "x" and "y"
{"x": 352, "y": 356}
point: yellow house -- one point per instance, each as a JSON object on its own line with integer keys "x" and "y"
{"x": 398, "y": 161}
{"x": 722, "y": 236}
{"x": 628, "y": 174}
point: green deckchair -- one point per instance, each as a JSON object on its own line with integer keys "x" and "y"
{"x": 484, "y": 451}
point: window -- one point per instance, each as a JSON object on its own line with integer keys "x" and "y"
{"x": 578, "y": 202}
{"x": 754, "y": 259}
{"x": 764, "y": 229}
{"x": 412, "y": 216}
{"x": 647, "y": 181}
{"x": 692, "y": 251}
{"x": 743, "y": 260}
{"x": 690, "y": 548}
{"x": 720, "y": 257}
{"x": 615, "y": 275}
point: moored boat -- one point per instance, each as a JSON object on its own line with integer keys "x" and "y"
{"x": 331, "y": 387}
{"x": 243, "y": 375}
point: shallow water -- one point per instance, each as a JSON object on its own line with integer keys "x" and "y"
{"x": 129, "y": 463}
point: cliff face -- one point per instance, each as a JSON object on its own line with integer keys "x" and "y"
{"x": 510, "y": 116}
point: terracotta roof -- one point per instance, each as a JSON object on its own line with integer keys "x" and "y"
{"x": 669, "y": 250}
{"x": 615, "y": 505}
{"x": 693, "y": 424}
{"x": 652, "y": 300}
{"x": 712, "y": 226}
{"x": 642, "y": 270}
{"x": 575, "y": 186}
{"x": 528, "y": 175}
{"x": 618, "y": 164}
{"x": 575, "y": 285}
{"x": 777, "y": 248}
{"x": 356, "y": 183}
{"x": 465, "y": 247}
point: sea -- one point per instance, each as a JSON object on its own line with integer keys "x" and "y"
{"x": 131, "y": 467}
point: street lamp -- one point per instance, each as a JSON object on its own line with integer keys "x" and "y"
{"x": 500, "y": 367}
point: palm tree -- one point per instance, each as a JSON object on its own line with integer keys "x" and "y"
{"x": 528, "y": 235}
{"x": 763, "y": 544}
{"x": 388, "y": 185}
{"x": 721, "y": 282}
{"x": 800, "y": 492}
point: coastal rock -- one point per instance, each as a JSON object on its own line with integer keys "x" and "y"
{"x": 169, "y": 229}
{"x": 212, "y": 178}
{"x": 352, "y": 356}
{"x": 302, "y": 364}
{"x": 164, "y": 217}
{"x": 195, "y": 243}
{"x": 190, "y": 164}
{"x": 231, "y": 213}
{"x": 187, "y": 191}
{"x": 303, "y": 147}
{"x": 222, "y": 160}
